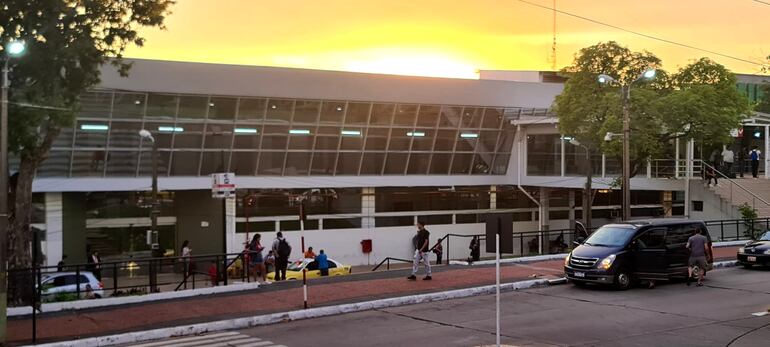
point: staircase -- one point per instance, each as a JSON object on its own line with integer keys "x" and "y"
{"x": 752, "y": 191}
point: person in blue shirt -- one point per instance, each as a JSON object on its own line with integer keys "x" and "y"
{"x": 323, "y": 263}
{"x": 755, "y": 154}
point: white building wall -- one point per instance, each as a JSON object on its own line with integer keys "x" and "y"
{"x": 54, "y": 244}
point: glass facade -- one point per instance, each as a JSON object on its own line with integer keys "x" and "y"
{"x": 201, "y": 134}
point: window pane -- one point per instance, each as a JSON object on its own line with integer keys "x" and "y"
{"x": 129, "y": 105}
{"x": 126, "y": 135}
{"x": 466, "y": 144}
{"x": 501, "y": 163}
{"x": 271, "y": 163}
{"x": 91, "y": 134}
{"x": 247, "y": 136}
{"x": 297, "y": 164}
{"x": 492, "y": 118}
{"x": 95, "y": 104}
{"x": 506, "y": 141}
{"x": 162, "y": 138}
{"x": 440, "y": 163}
{"x": 307, "y": 111}
{"x": 56, "y": 165}
{"x": 347, "y": 163}
{"x": 418, "y": 164}
{"x": 445, "y": 140}
{"x": 341, "y": 223}
{"x": 382, "y": 114}
{"x": 405, "y": 115}
{"x": 145, "y": 163}
{"x": 328, "y": 138}
{"x": 64, "y": 139}
{"x": 461, "y": 163}
{"x": 487, "y": 140}
{"x": 358, "y": 113}
{"x": 122, "y": 164}
{"x": 214, "y": 162}
{"x": 372, "y": 164}
{"x": 185, "y": 163}
{"x": 189, "y": 136}
{"x": 396, "y": 163}
{"x": 219, "y": 136}
{"x": 244, "y": 163}
{"x": 222, "y": 108}
{"x": 399, "y": 139}
{"x": 352, "y": 138}
{"x": 472, "y": 117}
{"x": 161, "y": 106}
{"x": 377, "y": 139}
{"x": 481, "y": 163}
{"x": 275, "y": 137}
{"x": 88, "y": 163}
{"x": 428, "y": 116}
{"x": 251, "y": 109}
{"x": 302, "y": 141}
{"x": 544, "y": 155}
{"x": 193, "y": 107}
{"x": 323, "y": 163}
{"x": 450, "y": 117}
{"x": 332, "y": 112}
{"x": 279, "y": 110}
{"x": 423, "y": 143}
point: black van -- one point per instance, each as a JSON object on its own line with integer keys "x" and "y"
{"x": 620, "y": 254}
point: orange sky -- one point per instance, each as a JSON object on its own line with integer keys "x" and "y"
{"x": 452, "y": 38}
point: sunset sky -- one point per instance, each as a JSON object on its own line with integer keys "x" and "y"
{"x": 451, "y": 38}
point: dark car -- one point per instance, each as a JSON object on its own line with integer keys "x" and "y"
{"x": 756, "y": 252}
{"x": 623, "y": 253}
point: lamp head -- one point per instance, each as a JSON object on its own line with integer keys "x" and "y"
{"x": 608, "y": 137}
{"x": 649, "y": 74}
{"x": 574, "y": 142}
{"x": 604, "y": 79}
{"x": 145, "y": 134}
{"x": 15, "y": 48}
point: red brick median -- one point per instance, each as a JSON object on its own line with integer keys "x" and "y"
{"x": 109, "y": 320}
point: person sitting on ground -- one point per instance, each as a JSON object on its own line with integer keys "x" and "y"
{"x": 309, "y": 254}
{"x": 323, "y": 263}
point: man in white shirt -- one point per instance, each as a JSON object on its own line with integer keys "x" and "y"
{"x": 728, "y": 157}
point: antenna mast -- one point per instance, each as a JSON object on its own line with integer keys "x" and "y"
{"x": 553, "y": 45}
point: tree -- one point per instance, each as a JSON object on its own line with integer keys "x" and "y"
{"x": 67, "y": 43}
{"x": 699, "y": 101}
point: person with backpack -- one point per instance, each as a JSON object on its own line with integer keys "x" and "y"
{"x": 282, "y": 251}
{"x": 755, "y": 154}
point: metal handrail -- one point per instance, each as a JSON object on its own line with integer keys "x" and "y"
{"x": 388, "y": 259}
{"x": 755, "y": 196}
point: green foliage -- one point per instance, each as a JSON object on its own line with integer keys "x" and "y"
{"x": 748, "y": 214}
{"x": 699, "y": 101}
{"x": 764, "y": 104}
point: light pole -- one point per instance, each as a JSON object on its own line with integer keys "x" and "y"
{"x": 154, "y": 212}
{"x": 625, "y": 91}
{"x": 587, "y": 190}
{"x": 12, "y": 49}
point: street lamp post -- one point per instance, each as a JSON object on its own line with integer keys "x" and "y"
{"x": 155, "y": 211}
{"x": 12, "y": 49}
{"x": 587, "y": 190}
{"x": 625, "y": 92}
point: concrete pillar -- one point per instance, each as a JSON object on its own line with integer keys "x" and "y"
{"x": 493, "y": 197}
{"x": 571, "y": 197}
{"x": 74, "y": 227}
{"x": 545, "y": 216}
{"x": 54, "y": 225}
{"x": 767, "y": 151}
{"x": 367, "y": 207}
{"x": 233, "y": 246}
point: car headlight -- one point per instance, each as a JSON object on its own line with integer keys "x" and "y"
{"x": 606, "y": 263}
{"x": 767, "y": 251}
{"x": 566, "y": 259}
{"x": 741, "y": 250}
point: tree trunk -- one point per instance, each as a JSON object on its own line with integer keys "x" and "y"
{"x": 20, "y": 283}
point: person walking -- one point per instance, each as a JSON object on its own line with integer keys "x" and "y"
{"x": 282, "y": 251}
{"x": 256, "y": 261}
{"x": 698, "y": 246}
{"x": 754, "y": 155}
{"x": 186, "y": 254}
{"x": 475, "y": 248}
{"x": 439, "y": 250}
{"x": 421, "y": 245}
{"x": 728, "y": 157}
{"x": 323, "y": 263}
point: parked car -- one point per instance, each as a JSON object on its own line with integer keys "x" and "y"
{"x": 294, "y": 270}
{"x": 756, "y": 252}
{"x": 621, "y": 254}
{"x": 66, "y": 283}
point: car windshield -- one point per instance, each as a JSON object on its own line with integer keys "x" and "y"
{"x": 765, "y": 236}
{"x": 295, "y": 266}
{"x": 610, "y": 236}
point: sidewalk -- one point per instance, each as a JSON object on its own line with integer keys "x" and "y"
{"x": 277, "y": 297}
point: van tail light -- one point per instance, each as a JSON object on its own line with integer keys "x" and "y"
{"x": 101, "y": 285}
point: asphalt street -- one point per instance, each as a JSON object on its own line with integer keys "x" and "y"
{"x": 718, "y": 314}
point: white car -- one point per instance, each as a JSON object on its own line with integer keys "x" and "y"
{"x": 66, "y": 282}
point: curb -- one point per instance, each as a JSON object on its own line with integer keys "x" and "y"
{"x": 85, "y": 304}
{"x": 248, "y": 322}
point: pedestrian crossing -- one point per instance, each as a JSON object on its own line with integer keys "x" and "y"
{"x": 224, "y": 339}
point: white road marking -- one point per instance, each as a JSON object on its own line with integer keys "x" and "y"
{"x": 760, "y": 314}
{"x": 226, "y": 339}
{"x": 185, "y": 339}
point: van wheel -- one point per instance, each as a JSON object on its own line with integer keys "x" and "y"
{"x": 578, "y": 283}
{"x": 622, "y": 279}
{"x": 696, "y": 271}
{"x": 747, "y": 266}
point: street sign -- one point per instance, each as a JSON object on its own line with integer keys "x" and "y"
{"x": 500, "y": 223}
{"x": 222, "y": 185}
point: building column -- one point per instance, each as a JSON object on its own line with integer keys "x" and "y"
{"x": 232, "y": 244}
{"x": 545, "y": 216}
{"x": 54, "y": 226}
{"x": 492, "y": 197}
{"x": 571, "y": 197}
{"x": 367, "y": 207}
{"x": 767, "y": 151}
